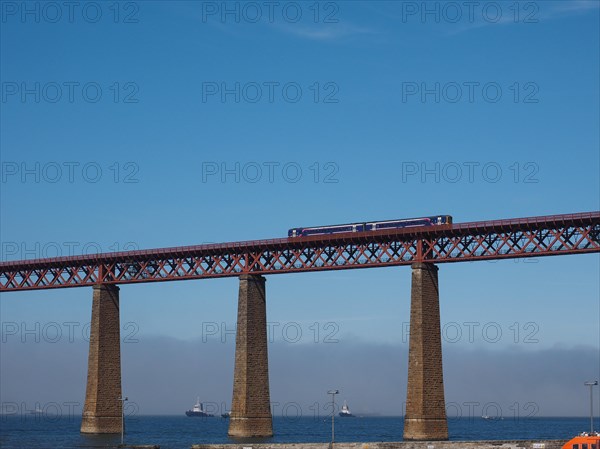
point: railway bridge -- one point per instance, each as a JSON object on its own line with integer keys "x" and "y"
{"x": 424, "y": 248}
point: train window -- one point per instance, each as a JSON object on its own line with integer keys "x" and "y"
{"x": 575, "y": 446}
{"x": 593, "y": 445}
{"x": 584, "y": 446}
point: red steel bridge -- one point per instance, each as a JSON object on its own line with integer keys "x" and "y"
{"x": 463, "y": 242}
{"x": 423, "y": 248}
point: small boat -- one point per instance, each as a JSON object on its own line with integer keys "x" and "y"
{"x": 584, "y": 439}
{"x": 198, "y": 410}
{"x": 345, "y": 412}
{"x": 491, "y": 418}
{"x": 226, "y": 414}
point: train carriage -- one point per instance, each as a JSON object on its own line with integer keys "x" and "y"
{"x": 371, "y": 226}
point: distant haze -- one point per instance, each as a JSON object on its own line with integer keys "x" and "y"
{"x": 164, "y": 376}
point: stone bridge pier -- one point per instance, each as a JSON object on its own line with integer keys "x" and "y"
{"x": 250, "y": 406}
{"x": 425, "y": 417}
{"x": 102, "y": 409}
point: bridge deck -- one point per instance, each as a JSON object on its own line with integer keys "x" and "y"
{"x": 459, "y": 242}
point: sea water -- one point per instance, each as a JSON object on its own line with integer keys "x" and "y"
{"x": 178, "y": 432}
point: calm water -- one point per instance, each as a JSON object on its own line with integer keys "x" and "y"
{"x": 177, "y": 432}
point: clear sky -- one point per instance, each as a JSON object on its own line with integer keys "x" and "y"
{"x": 150, "y": 124}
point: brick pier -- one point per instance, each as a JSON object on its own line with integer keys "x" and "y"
{"x": 425, "y": 417}
{"x": 250, "y": 406}
{"x": 102, "y": 409}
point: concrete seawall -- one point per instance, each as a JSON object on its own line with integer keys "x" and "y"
{"x": 512, "y": 444}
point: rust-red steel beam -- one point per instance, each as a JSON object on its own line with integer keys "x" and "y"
{"x": 463, "y": 242}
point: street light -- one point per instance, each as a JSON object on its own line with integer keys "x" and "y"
{"x": 332, "y": 393}
{"x": 122, "y": 416}
{"x": 591, "y": 384}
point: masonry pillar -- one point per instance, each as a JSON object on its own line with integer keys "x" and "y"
{"x": 425, "y": 417}
{"x": 250, "y": 406}
{"x": 102, "y": 409}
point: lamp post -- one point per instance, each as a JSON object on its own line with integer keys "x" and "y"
{"x": 591, "y": 384}
{"x": 122, "y": 416}
{"x": 332, "y": 393}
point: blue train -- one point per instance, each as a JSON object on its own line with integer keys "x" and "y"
{"x": 371, "y": 226}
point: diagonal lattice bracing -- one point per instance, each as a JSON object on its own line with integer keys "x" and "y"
{"x": 524, "y": 237}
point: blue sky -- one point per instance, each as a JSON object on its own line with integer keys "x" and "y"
{"x": 388, "y": 110}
